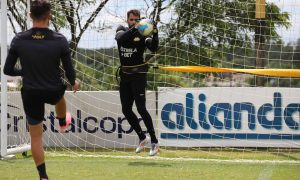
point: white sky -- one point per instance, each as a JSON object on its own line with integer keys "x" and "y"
{"x": 293, "y": 8}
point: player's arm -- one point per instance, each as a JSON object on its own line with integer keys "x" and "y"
{"x": 152, "y": 42}
{"x": 67, "y": 62}
{"x": 11, "y": 60}
{"x": 123, "y": 35}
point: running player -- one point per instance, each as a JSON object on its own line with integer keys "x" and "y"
{"x": 41, "y": 51}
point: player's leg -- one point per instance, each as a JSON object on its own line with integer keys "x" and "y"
{"x": 34, "y": 109}
{"x": 61, "y": 108}
{"x": 139, "y": 89}
{"x": 63, "y": 116}
{"x": 36, "y": 135}
{"x": 127, "y": 99}
{"x": 57, "y": 99}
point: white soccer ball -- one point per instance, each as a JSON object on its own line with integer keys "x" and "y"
{"x": 145, "y": 27}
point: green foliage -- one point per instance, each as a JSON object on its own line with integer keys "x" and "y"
{"x": 212, "y": 33}
{"x": 96, "y": 69}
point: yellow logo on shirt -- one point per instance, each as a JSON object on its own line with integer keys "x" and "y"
{"x": 38, "y": 35}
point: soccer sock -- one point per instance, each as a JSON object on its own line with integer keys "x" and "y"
{"x": 42, "y": 171}
{"x": 62, "y": 121}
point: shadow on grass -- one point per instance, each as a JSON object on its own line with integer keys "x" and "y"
{"x": 150, "y": 164}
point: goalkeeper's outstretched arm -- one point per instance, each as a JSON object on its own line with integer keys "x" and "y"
{"x": 125, "y": 35}
{"x": 152, "y": 43}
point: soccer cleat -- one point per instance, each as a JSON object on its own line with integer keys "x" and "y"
{"x": 154, "y": 149}
{"x": 62, "y": 129}
{"x": 142, "y": 144}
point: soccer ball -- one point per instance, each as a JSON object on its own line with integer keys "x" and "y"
{"x": 145, "y": 27}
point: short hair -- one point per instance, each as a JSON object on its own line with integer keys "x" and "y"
{"x": 40, "y": 9}
{"x": 135, "y": 12}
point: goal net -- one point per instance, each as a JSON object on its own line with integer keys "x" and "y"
{"x": 222, "y": 85}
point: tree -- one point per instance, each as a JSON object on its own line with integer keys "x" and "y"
{"x": 206, "y": 32}
{"x": 71, "y": 11}
{"x": 296, "y": 55}
{"x": 17, "y": 14}
{"x": 66, "y": 14}
{"x": 214, "y": 24}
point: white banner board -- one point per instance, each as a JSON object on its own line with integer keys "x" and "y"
{"x": 97, "y": 121}
{"x": 226, "y": 116}
{"x": 202, "y": 117}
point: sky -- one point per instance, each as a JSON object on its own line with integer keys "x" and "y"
{"x": 114, "y": 14}
{"x": 293, "y": 8}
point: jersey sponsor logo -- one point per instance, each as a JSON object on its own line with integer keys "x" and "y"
{"x": 38, "y": 35}
{"x": 127, "y": 52}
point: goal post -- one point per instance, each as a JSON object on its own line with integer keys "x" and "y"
{"x": 5, "y": 148}
{"x": 3, "y": 122}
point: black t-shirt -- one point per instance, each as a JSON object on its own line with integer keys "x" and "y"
{"x": 131, "y": 46}
{"x": 41, "y": 51}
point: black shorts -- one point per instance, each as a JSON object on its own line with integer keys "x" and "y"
{"x": 34, "y": 103}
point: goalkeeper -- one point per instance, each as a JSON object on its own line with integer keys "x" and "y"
{"x": 133, "y": 75}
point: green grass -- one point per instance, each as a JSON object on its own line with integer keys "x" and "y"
{"x": 203, "y": 153}
{"x": 114, "y": 168}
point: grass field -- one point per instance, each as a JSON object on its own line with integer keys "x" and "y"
{"x": 223, "y": 166}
